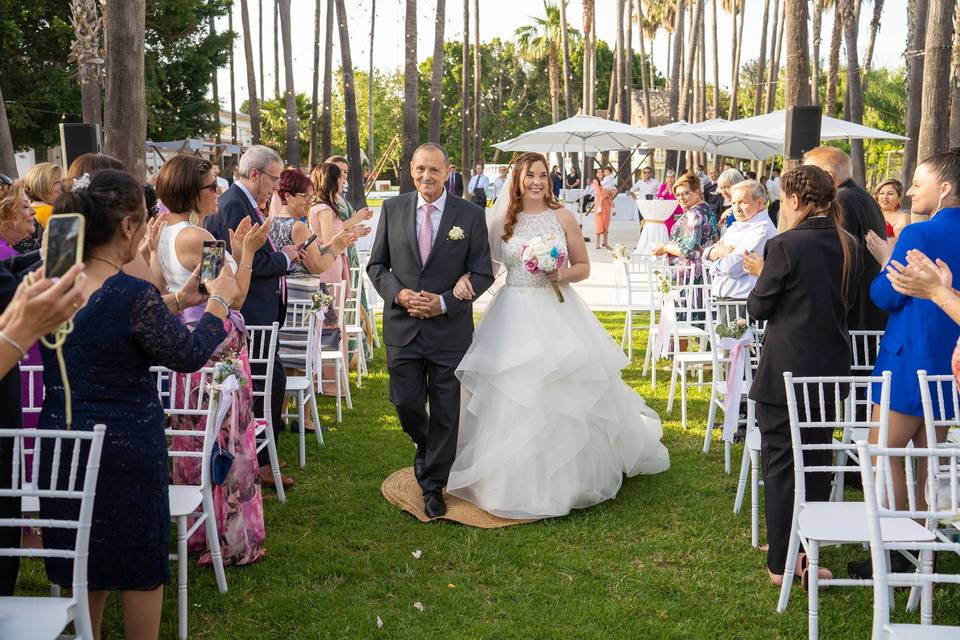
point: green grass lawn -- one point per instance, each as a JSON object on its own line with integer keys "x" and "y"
{"x": 666, "y": 559}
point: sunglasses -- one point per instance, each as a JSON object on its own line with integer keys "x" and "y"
{"x": 213, "y": 186}
{"x": 6, "y": 180}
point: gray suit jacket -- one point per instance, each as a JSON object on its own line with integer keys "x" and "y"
{"x": 395, "y": 265}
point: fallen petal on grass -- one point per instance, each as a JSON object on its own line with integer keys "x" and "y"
{"x": 417, "y": 553}
{"x": 379, "y": 623}
{"x": 419, "y": 606}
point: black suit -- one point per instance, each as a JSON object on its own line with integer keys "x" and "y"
{"x": 799, "y": 294}
{"x": 422, "y": 355}
{"x": 861, "y": 213}
{"x": 264, "y": 303}
{"x": 454, "y": 184}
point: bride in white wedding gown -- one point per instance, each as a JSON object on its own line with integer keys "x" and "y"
{"x": 546, "y": 422}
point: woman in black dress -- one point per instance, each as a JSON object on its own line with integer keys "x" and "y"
{"x": 123, "y": 329}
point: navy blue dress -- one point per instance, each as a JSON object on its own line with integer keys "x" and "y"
{"x": 124, "y": 329}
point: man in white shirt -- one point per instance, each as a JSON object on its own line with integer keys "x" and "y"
{"x": 500, "y": 181}
{"x": 646, "y": 186}
{"x": 478, "y": 187}
{"x": 222, "y": 184}
{"x": 750, "y": 232}
{"x": 773, "y": 184}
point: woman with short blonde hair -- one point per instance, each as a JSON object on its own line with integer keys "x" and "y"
{"x": 44, "y": 183}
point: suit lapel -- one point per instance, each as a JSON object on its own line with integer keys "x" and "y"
{"x": 446, "y": 223}
{"x": 410, "y": 223}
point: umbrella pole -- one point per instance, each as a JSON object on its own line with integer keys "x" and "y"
{"x": 583, "y": 183}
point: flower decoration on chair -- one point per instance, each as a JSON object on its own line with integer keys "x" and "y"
{"x": 619, "y": 253}
{"x": 734, "y": 329}
{"x": 541, "y": 255}
{"x": 663, "y": 283}
{"x": 228, "y": 366}
{"x": 321, "y": 301}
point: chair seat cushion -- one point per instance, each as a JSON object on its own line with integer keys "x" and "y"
{"x": 847, "y": 522}
{"x": 920, "y": 632}
{"x": 184, "y": 500}
{"x": 34, "y": 618}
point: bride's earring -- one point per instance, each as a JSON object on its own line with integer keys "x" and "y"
{"x": 194, "y": 218}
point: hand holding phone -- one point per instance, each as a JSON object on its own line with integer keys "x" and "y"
{"x": 63, "y": 243}
{"x": 211, "y": 261}
{"x": 309, "y": 241}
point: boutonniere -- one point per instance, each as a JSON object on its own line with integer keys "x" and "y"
{"x": 456, "y": 233}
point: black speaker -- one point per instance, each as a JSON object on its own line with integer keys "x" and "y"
{"x": 77, "y": 139}
{"x": 802, "y": 132}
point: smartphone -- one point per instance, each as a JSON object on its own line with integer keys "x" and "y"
{"x": 211, "y": 261}
{"x": 649, "y": 196}
{"x": 63, "y": 243}
{"x": 308, "y": 242}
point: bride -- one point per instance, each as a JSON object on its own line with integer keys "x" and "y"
{"x": 547, "y": 425}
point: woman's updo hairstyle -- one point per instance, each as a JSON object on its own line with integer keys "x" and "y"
{"x": 110, "y": 197}
{"x": 946, "y": 166}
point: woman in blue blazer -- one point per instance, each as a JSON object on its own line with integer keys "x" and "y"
{"x": 919, "y": 334}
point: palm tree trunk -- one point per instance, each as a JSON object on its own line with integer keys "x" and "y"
{"x": 616, "y": 70}
{"x": 854, "y": 90}
{"x": 734, "y": 65}
{"x": 125, "y": 122}
{"x": 554, "y": 77}
{"x": 276, "y": 48}
{"x": 815, "y": 60}
{"x": 934, "y": 119}
{"x": 874, "y": 28}
{"x": 370, "y": 137}
{"x": 215, "y": 89}
{"x": 326, "y": 144}
{"x": 8, "y": 156}
{"x": 465, "y": 95}
{"x": 644, "y": 76}
{"x": 833, "y": 70}
{"x": 263, "y": 81}
{"x": 690, "y": 61}
{"x": 916, "y": 36}
{"x": 233, "y": 83}
{"x": 86, "y": 50}
{"x": 627, "y": 111}
{"x": 675, "y": 74}
{"x": 796, "y": 89}
{"x": 589, "y": 59}
{"x": 955, "y": 81}
{"x": 716, "y": 67}
{"x": 775, "y": 46}
{"x": 762, "y": 65}
{"x": 477, "y": 134}
{"x": 565, "y": 60}
{"x": 293, "y": 123}
{"x": 436, "y": 83}
{"x": 314, "y": 106}
{"x": 411, "y": 114}
{"x": 253, "y": 106}
{"x": 355, "y": 181}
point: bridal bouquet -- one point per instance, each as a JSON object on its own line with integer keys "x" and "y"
{"x": 541, "y": 255}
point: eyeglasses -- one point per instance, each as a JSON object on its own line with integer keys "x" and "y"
{"x": 682, "y": 194}
{"x": 272, "y": 177}
{"x": 213, "y": 186}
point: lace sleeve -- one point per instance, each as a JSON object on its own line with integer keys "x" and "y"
{"x": 166, "y": 340}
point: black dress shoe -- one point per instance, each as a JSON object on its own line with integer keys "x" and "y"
{"x": 433, "y": 504}
{"x": 418, "y": 463}
{"x": 863, "y": 569}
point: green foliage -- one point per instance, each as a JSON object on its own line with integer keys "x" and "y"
{"x": 273, "y": 123}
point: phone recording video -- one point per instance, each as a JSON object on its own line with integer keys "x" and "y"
{"x": 211, "y": 261}
{"x": 63, "y": 243}
{"x": 309, "y": 241}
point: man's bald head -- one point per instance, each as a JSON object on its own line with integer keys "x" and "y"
{"x": 832, "y": 160}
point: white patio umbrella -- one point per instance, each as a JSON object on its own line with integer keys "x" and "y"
{"x": 774, "y": 125}
{"x": 684, "y": 136}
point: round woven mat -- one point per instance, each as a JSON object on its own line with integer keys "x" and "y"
{"x": 401, "y": 489}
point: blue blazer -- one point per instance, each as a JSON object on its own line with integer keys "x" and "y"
{"x": 919, "y": 334}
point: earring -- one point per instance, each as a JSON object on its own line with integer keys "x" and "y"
{"x": 194, "y": 218}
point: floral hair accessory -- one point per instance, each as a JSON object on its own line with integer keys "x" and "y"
{"x": 80, "y": 183}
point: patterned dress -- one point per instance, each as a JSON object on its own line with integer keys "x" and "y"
{"x": 694, "y": 233}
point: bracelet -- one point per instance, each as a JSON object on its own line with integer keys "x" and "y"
{"x": 221, "y": 301}
{"x": 13, "y": 343}
{"x": 246, "y": 266}
{"x": 176, "y": 299}
{"x": 948, "y": 301}
{"x": 329, "y": 251}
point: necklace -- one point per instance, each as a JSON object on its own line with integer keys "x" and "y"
{"x": 107, "y": 261}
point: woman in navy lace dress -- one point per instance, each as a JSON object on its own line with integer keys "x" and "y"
{"x": 123, "y": 329}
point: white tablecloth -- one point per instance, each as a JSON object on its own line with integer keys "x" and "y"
{"x": 625, "y": 207}
{"x": 654, "y": 231}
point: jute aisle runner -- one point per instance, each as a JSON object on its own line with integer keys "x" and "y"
{"x": 401, "y": 489}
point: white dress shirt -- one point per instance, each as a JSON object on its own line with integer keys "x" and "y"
{"x": 609, "y": 183}
{"x": 643, "y": 188}
{"x": 478, "y": 181}
{"x": 435, "y": 216}
{"x": 773, "y": 188}
{"x": 498, "y": 184}
{"x": 729, "y": 278}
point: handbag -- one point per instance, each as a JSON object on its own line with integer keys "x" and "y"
{"x": 330, "y": 339}
{"x": 220, "y": 463}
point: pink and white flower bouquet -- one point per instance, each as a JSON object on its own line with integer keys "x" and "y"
{"x": 542, "y": 255}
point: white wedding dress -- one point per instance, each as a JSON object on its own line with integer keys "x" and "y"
{"x": 546, "y": 422}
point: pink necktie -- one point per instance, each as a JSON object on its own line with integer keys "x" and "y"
{"x": 425, "y": 237}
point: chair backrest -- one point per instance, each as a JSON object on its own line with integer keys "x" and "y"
{"x": 823, "y": 403}
{"x": 32, "y": 381}
{"x": 301, "y": 333}
{"x": 183, "y": 395}
{"x": 722, "y": 312}
{"x": 638, "y": 276}
{"x": 339, "y": 292}
{"x": 871, "y": 475}
{"x": 79, "y": 485}
{"x": 194, "y": 395}
{"x": 262, "y": 350}
{"x": 866, "y": 346}
{"x": 351, "y": 307}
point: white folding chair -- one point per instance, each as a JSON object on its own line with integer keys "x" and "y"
{"x": 34, "y": 388}
{"x": 637, "y": 272}
{"x": 817, "y": 524}
{"x": 193, "y": 396}
{"x": 262, "y": 349}
{"x": 865, "y": 346}
{"x": 372, "y": 297}
{"x": 353, "y": 324}
{"x": 693, "y": 309}
{"x": 335, "y": 356}
{"x": 300, "y": 349}
{"x": 42, "y": 618}
{"x": 679, "y": 277}
{"x": 879, "y": 514}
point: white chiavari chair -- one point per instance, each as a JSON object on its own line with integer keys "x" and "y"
{"x": 353, "y": 324}
{"x": 637, "y": 278}
{"x": 684, "y": 325}
{"x": 35, "y": 392}
{"x": 302, "y": 328}
{"x": 262, "y": 350}
{"x": 335, "y": 356}
{"x": 372, "y": 295}
{"x": 46, "y": 618}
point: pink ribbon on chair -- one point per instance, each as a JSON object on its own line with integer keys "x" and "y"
{"x": 666, "y": 326}
{"x": 737, "y": 349}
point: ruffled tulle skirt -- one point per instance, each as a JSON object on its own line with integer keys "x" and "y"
{"x": 547, "y": 424}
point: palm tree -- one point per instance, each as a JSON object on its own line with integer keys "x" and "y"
{"x": 263, "y": 80}
{"x": 854, "y": 88}
{"x": 815, "y": 60}
{"x": 233, "y": 79}
{"x": 796, "y": 90}
{"x": 776, "y": 46}
{"x": 373, "y": 22}
{"x": 436, "y": 82}
{"x": 477, "y": 144}
{"x": 465, "y": 94}
{"x": 955, "y": 82}
{"x": 314, "y": 107}
{"x": 355, "y": 180}
{"x": 326, "y": 145}
{"x": 690, "y": 59}
{"x": 565, "y": 57}
{"x": 934, "y": 119}
{"x": 217, "y": 132}
{"x": 642, "y": 27}
{"x": 761, "y": 67}
{"x": 253, "y": 106}
{"x": 833, "y": 68}
{"x": 293, "y": 123}
{"x": 85, "y": 49}
{"x": 276, "y": 48}
{"x": 916, "y": 36}
{"x": 411, "y": 116}
{"x": 8, "y": 157}
{"x": 544, "y": 40}
{"x": 125, "y": 121}
{"x": 675, "y": 70}
{"x": 874, "y": 28}
{"x": 716, "y": 67}
{"x": 733, "y": 7}
{"x": 589, "y": 57}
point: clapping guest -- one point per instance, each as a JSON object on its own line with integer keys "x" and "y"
{"x": 804, "y": 290}
{"x": 188, "y": 185}
{"x": 749, "y": 234}
{"x": 694, "y": 232}
{"x": 44, "y": 182}
{"x": 888, "y": 195}
{"x": 124, "y": 329}
{"x": 665, "y": 192}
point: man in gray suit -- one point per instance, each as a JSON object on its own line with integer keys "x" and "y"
{"x": 426, "y": 240}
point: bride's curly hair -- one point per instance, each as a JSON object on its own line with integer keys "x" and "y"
{"x": 523, "y": 162}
